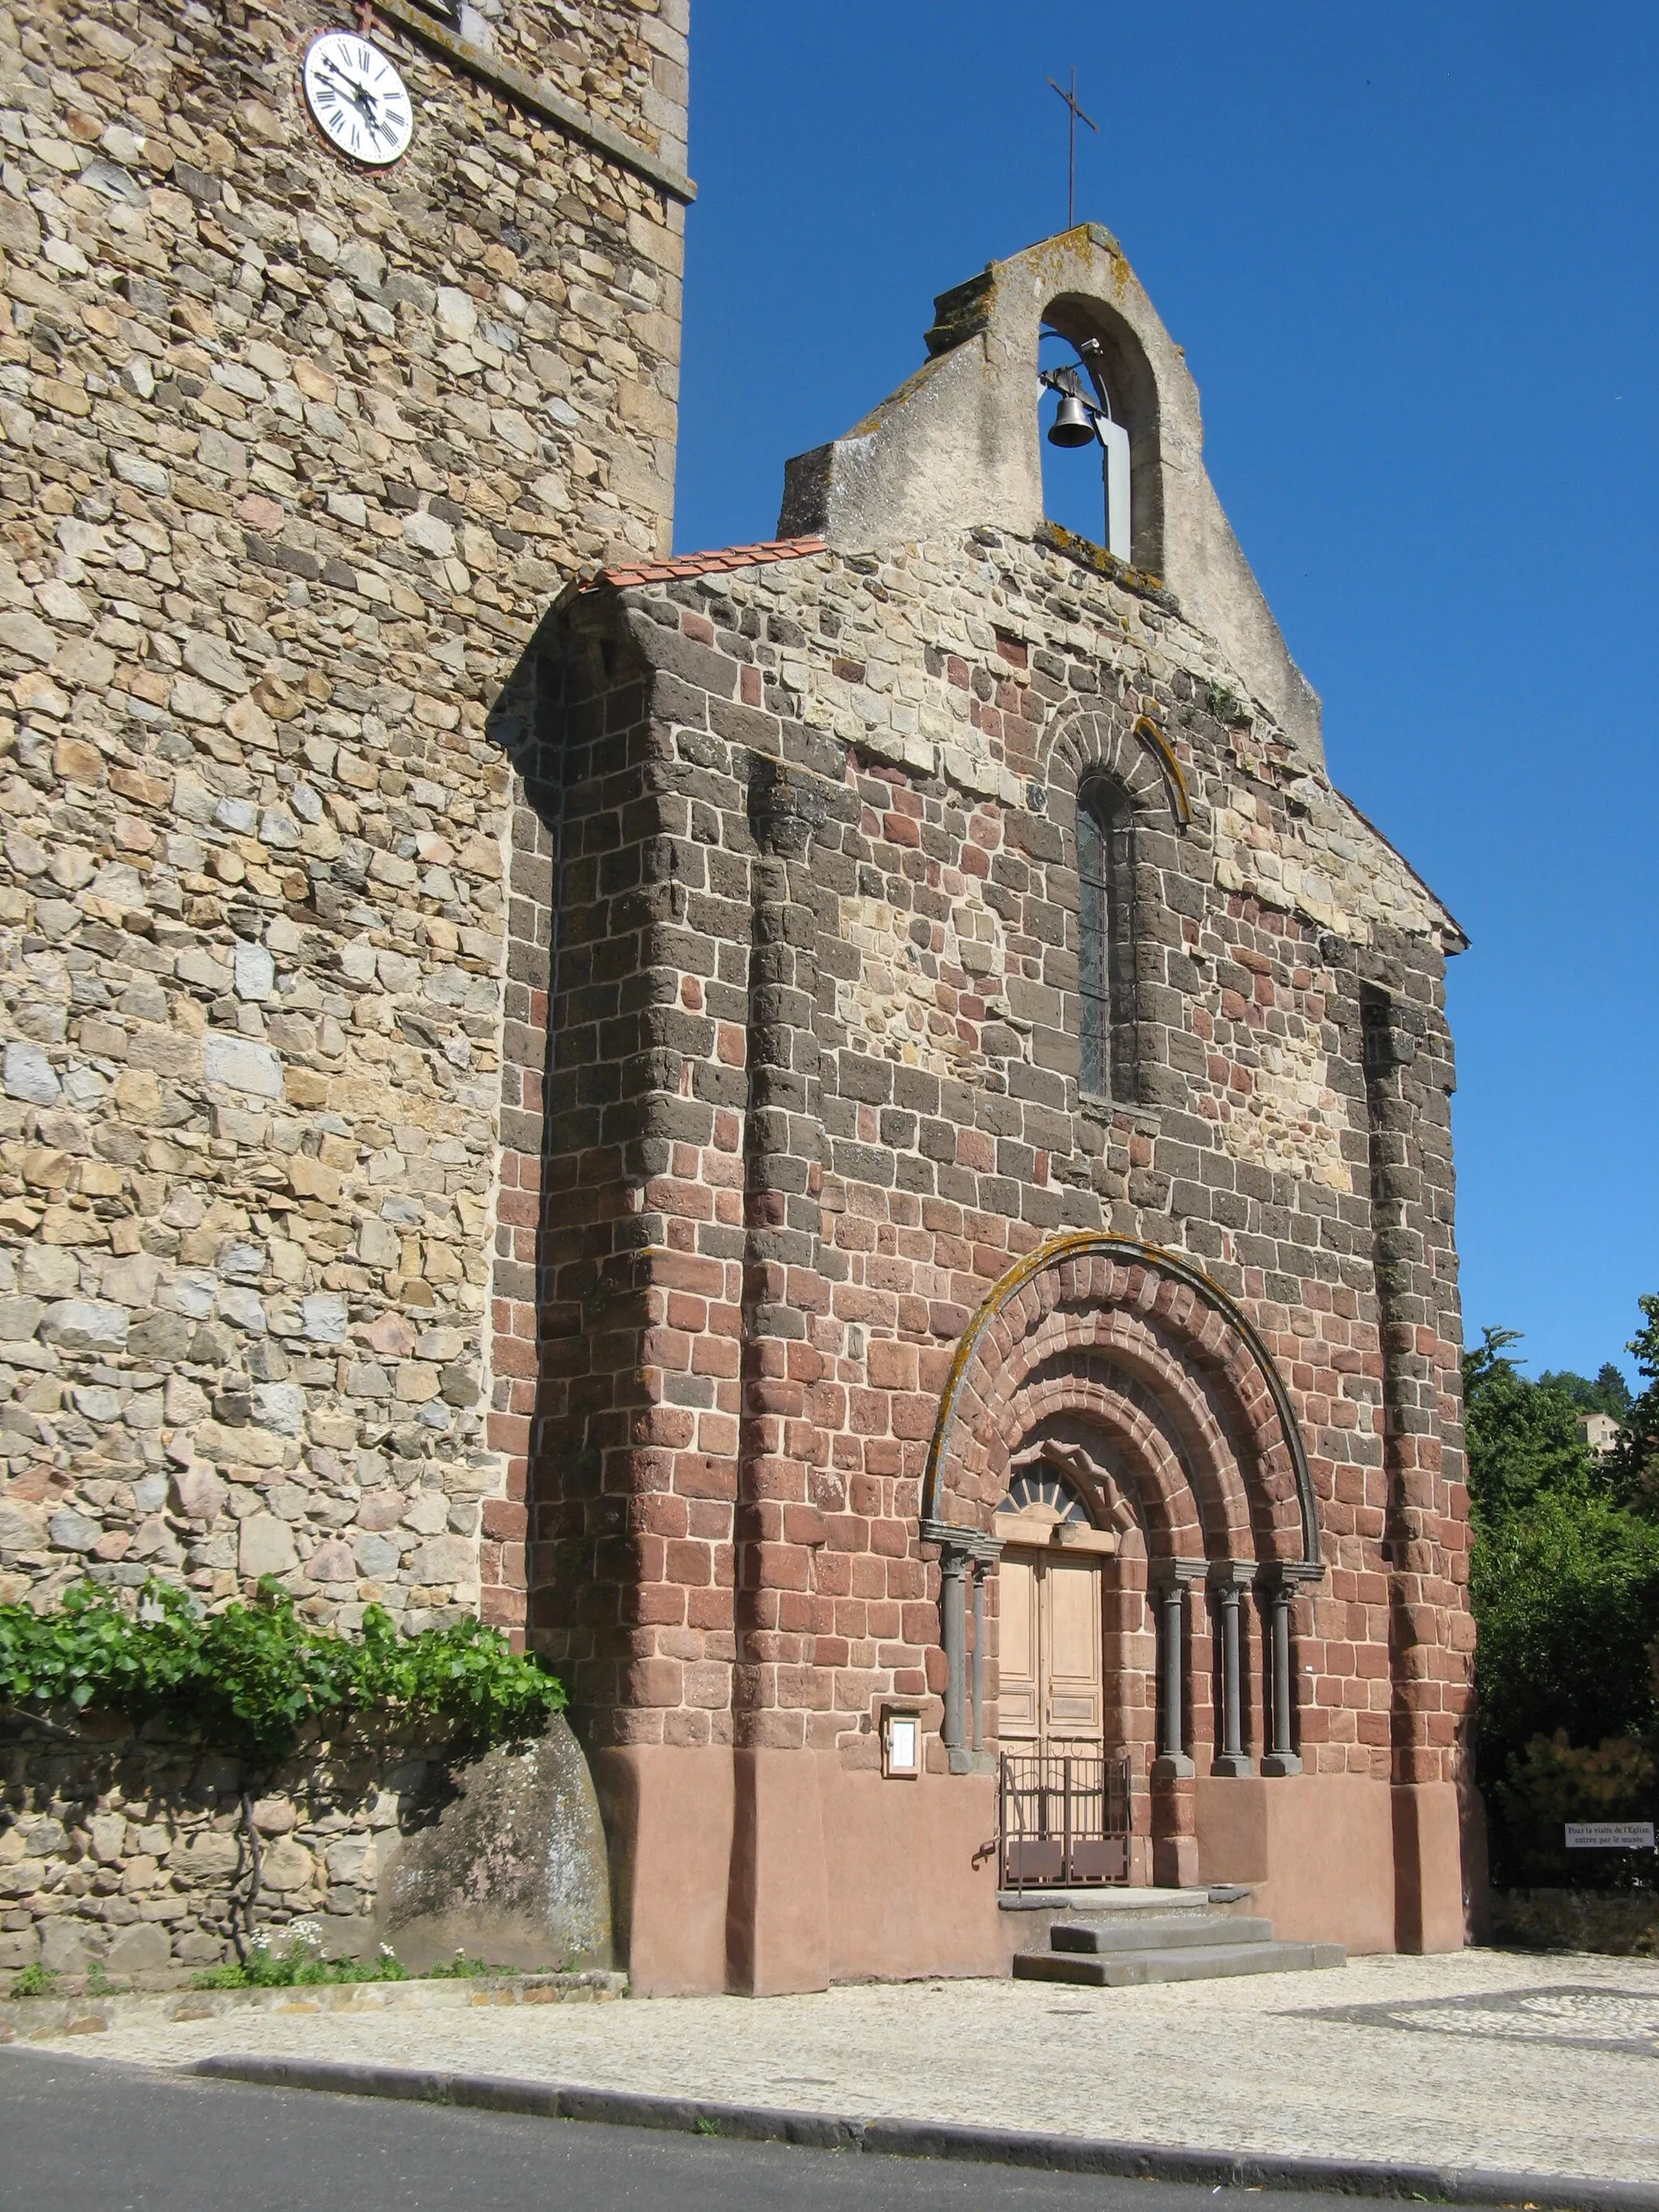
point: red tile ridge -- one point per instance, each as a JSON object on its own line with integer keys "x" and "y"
{"x": 706, "y": 564}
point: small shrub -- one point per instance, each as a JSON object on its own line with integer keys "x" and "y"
{"x": 248, "y": 1680}
{"x": 460, "y": 1968}
{"x": 291, "y": 1958}
{"x": 36, "y": 1981}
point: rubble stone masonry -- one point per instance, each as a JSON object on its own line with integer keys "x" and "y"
{"x": 296, "y": 455}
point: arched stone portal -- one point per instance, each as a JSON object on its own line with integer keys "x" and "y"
{"x": 1118, "y": 1382}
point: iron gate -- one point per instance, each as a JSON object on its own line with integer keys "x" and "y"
{"x": 1062, "y": 1820}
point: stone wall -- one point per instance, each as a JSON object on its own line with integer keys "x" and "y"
{"x": 129, "y": 1857}
{"x": 295, "y": 456}
{"x": 914, "y": 978}
{"x": 143, "y": 1859}
{"x": 1624, "y": 1923}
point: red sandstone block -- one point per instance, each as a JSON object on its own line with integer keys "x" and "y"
{"x": 668, "y": 1426}
{"x": 804, "y": 1524}
{"x": 666, "y": 1348}
{"x": 511, "y": 1356}
{"x": 718, "y": 1356}
{"x": 503, "y": 1521}
{"x": 687, "y": 1729}
{"x": 919, "y": 1623}
{"x": 934, "y": 1368}
{"x": 892, "y": 1365}
{"x": 683, "y": 1271}
{"x": 889, "y": 1538}
{"x": 866, "y": 1413}
{"x": 508, "y": 1433}
{"x": 658, "y": 1513}
{"x": 504, "y": 1608}
{"x": 914, "y": 1415}
{"x": 797, "y": 1617}
{"x": 780, "y": 1567}
{"x": 653, "y": 1682}
{"x": 709, "y": 1610}
{"x": 654, "y": 1605}
{"x": 869, "y": 1578}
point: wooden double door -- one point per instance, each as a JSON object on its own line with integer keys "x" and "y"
{"x": 1052, "y": 1689}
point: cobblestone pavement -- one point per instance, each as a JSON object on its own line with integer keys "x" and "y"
{"x": 1543, "y": 2065}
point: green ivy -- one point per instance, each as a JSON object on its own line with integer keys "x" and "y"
{"x": 248, "y": 1680}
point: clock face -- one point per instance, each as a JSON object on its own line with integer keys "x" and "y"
{"x": 359, "y": 101}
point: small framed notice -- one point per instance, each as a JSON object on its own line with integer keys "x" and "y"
{"x": 900, "y": 1745}
{"x": 1609, "y": 1835}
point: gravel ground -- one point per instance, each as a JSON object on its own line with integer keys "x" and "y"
{"x": 1542, "y": 2064}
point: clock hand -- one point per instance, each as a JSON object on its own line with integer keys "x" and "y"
{"x": 360, "y": 95}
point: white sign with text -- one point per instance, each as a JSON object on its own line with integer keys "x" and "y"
{"x": 1610, "y": 1835}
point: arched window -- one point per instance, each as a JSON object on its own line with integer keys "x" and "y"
{"x": 1105, "y": 867}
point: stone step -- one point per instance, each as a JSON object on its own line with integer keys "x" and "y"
{"x": 1117, "y": 1901}
{"x": 1120, "y": 1970}
{"x": 1160, "y": 1932}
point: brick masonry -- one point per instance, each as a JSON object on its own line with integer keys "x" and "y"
{"x": 296, "y": 455}
{"x": 744, "y": 1337}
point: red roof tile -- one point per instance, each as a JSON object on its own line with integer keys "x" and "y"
{"x": 708, "y": 564}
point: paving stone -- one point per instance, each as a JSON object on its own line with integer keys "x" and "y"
{"x": 1538, "y": 2065}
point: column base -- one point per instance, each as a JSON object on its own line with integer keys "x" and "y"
{"x": 1174, "y": 1862}
{"x": 1234, "y": 1764}
{"x": 1281, "y": 1762}
{"x": 1173, "y": 1767}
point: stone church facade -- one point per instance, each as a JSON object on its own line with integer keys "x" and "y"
{"x": 849, "y": 1133}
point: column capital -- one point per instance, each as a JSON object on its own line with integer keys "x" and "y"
{"x": 1226, "y": 1575}
{"x": 1289, "y": 1575}
{"x": 958, "y": 1544}
{"x": 1166, "y": 1575}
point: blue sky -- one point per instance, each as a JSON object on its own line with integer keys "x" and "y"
{"x": 1412, "y": 253}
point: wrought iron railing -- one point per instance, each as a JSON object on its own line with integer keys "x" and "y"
{"x": 1063, "y": 1819}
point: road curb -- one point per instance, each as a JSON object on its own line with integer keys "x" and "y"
{"x": 938, "y": 2139}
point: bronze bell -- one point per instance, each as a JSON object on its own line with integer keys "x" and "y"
{"x": 1072, "y": 425}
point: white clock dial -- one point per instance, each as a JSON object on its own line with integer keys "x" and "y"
{"x": 360, "y": 102}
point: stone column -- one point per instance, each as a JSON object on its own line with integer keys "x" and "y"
{"x": 1229, "y": 1579}
{"x": 1170, "y": 1583}
{"x": 953, "y": 1573}
{"x": 777, "y": 1895}
{"x": 962, "y": 1551}
{"x": 783, "y": 1164}
{"x": 979, "y": 1656}
{"x": 1281, "y": 1757}
{"x": 1174, "y": 1838}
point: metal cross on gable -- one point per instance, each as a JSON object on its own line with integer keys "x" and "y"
{"x": 1075, "y": 117}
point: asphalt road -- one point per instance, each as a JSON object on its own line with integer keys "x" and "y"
{"x": 85, "y": 2135}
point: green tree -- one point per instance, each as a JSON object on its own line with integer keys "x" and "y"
{"x": 1634, "y": 1467}
{"x": 1566, "y": 1601}
{"x": 1608, "y": 1393}
{"x": 1524, "y": 1436}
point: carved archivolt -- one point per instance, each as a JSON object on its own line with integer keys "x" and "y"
{"x": 1161, "y": 1364}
